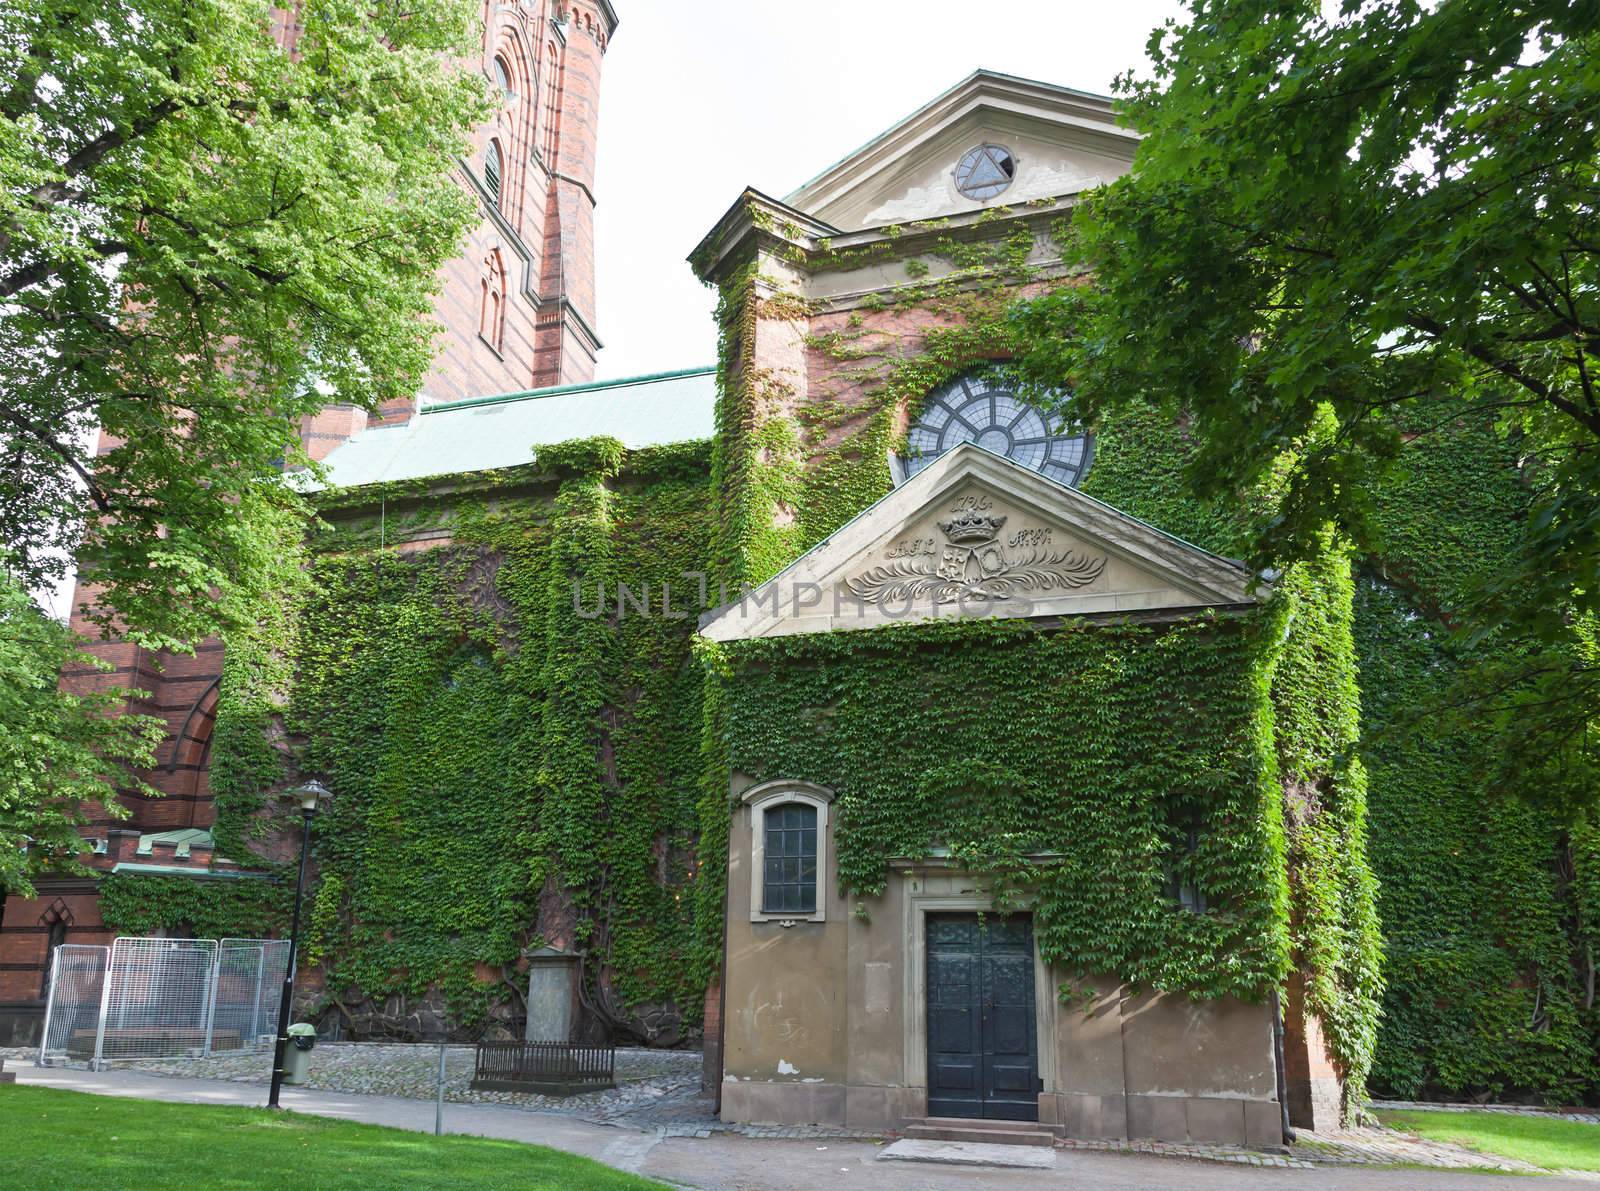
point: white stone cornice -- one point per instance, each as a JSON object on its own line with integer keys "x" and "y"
{"x": 1045, "y": 551}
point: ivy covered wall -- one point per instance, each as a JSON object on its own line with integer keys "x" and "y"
{"x": 802, "y": 448}
{"x": 244, "y": 908}
{"x": 1488, "y": 900}
{"x": 1062, "y": 761}
{"x": 511, "y": 772}
{"x": 514, "y": 757}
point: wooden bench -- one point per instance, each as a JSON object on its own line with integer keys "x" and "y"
{"x": 549, "y": 1068}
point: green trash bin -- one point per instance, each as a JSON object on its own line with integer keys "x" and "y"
{"x": 297, "y": 1055}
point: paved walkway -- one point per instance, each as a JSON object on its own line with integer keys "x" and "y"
{"x": 734, "y": 1163}
{"x": 657, "y": 1090}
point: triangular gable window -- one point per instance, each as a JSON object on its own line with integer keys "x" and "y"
{"x": 985, "y": 171}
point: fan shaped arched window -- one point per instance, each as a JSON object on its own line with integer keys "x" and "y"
{"x": 986, "y": 410}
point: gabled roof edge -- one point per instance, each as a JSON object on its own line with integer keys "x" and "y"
{"x": 935, "y": 474}
{"x": 942, "y": 99}
{"x": 587, "y": 386}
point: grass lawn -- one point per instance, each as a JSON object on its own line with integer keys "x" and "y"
{"x": 55, "y": 1139}
{"x": 1553, "y": 1144}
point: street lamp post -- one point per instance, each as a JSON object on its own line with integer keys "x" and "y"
{"x": 308, "y": 796}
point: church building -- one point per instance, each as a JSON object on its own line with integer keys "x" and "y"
{"x": 843, "y": 704}
{"x": 999, "y": 827}
{"x": 1007, "y": 783}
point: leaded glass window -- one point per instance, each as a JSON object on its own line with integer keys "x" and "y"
{"x": 987, "y": 412}
{"x": 789, "y": 853}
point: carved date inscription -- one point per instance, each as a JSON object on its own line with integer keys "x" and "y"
{"x": 972, "y": 562}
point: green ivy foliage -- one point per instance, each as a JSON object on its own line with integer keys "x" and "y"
{"x": 1489, "y": 904}
{"x": 1061, "y": 760}
{"x": 248, "y": 755}
{"x": 241, "y": 908}
{"x": 1334, "y": 896}
{"x": 505, "y": 763}
{"x": 1278, "y": 718}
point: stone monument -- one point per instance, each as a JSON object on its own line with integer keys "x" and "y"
{"x": 552, "y": 994}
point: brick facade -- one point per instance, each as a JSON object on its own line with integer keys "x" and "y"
{"x": 1314, "y": 1086}
{"x": 516, "y": 311}
{"x": 517, "y": 306}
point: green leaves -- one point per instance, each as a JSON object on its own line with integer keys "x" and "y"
{"x": 203, "y": 238}
{"x": 504, "y": 768}
{"x": 248, "y": 908}
{"x": 62, "y": 756}
{"x": 1060, "y": 762}
{"x": 1358, "y": 264}
{"x": 1352, "y": 216}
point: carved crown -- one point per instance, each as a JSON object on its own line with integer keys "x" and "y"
{"x": 972, "y": 528}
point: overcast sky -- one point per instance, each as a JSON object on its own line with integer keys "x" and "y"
{"x": 700, "y": 100}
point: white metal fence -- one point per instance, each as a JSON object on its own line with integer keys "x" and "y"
{"x": 162, "y": 999}
{"x": 72, "y": 1013}
{"x": 249, "y": 988}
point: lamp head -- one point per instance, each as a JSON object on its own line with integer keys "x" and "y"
{"x": 308, "y": 795}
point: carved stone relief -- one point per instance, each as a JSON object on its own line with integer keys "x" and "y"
{"x": 974, "y": 555}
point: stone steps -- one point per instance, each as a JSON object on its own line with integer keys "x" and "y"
{"x": 983, "y": 1132}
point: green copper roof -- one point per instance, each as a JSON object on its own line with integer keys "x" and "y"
{"x": 504, "y": 430}
{"x": 181, "y": 840}
{"x": 194, "y": 874}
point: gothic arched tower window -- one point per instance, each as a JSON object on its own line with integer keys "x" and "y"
{"x": 492, "y": 314}
{"x": 552, "y": 104}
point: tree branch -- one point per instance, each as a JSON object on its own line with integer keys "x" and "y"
{"x": 31, "y": 275}
{"x": 65, "y": 454}
{"x": 92, "y": 153}
{"x": 1509, "y": 369}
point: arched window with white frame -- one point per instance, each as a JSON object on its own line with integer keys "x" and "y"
{"x": 788, "y": 851}
{"x": 502, "y": 80}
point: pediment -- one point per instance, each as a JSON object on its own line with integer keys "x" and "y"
{"x": 1063, "y": 142}
{"x": 977, "y": 535}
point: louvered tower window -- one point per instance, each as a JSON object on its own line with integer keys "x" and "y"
{"x": 491, "y": 171}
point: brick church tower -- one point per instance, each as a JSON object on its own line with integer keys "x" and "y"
{"x": 516, "y": 310}
{"x": 518, "y": 304}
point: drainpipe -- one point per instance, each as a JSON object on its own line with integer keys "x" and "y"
{"x": 1277, "y": 1059}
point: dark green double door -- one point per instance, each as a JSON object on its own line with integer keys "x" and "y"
{"x": 982, "y": 1056}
